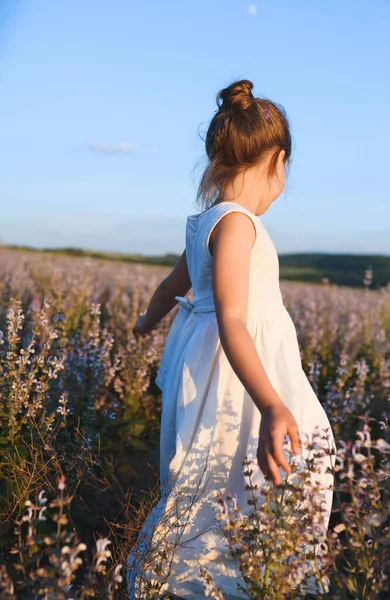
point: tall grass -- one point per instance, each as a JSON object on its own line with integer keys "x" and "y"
{"x": 79, "y": 431}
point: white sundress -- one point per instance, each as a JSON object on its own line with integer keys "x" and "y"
{"x": 209, "y": 423}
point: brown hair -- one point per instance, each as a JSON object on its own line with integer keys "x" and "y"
{"x": 243, "y": 130}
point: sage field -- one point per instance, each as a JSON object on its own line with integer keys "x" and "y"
{"x": 79, "y": 432}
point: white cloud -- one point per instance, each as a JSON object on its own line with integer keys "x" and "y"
{"x": 252, "y": 9}
{"x": 122, "y": 148}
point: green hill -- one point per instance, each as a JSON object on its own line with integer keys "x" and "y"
{"x": 340, "y": 269}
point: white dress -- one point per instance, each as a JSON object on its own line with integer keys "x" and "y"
{"x": 209, "y": 423}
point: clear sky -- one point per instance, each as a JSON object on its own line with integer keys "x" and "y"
{"x": 103, "y": 104}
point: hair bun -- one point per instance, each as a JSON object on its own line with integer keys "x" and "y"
{"x": 237, "y": 95}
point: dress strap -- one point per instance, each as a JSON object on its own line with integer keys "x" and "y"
{"x": 215, "y": 214}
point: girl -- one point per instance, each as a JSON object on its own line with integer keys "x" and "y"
{"x": 231, "y": 375}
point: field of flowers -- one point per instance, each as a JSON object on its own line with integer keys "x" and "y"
{"x": 79, "y": 432}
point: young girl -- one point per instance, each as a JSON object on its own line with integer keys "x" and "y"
{"x": 231, "y": 375}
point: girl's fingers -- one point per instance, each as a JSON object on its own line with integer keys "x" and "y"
{"x": 295, "y": 439}
{"x": 262, "y": 461}
{"x": 273, "y": 469}
{"x": 273, "y": 464}
{"x": 276, "y": 451}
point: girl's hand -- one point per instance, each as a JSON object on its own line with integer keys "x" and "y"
{"x": 139, "y": 328}
{"x": 276, "y": 422}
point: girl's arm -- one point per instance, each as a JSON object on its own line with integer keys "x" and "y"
{"x": 176, "y": 283}
{"x": 233, "y": 239}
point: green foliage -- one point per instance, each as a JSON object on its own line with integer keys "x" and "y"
{"x": 340, "y": 269}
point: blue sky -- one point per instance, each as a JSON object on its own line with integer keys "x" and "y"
{"x": 103, "y": 103}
